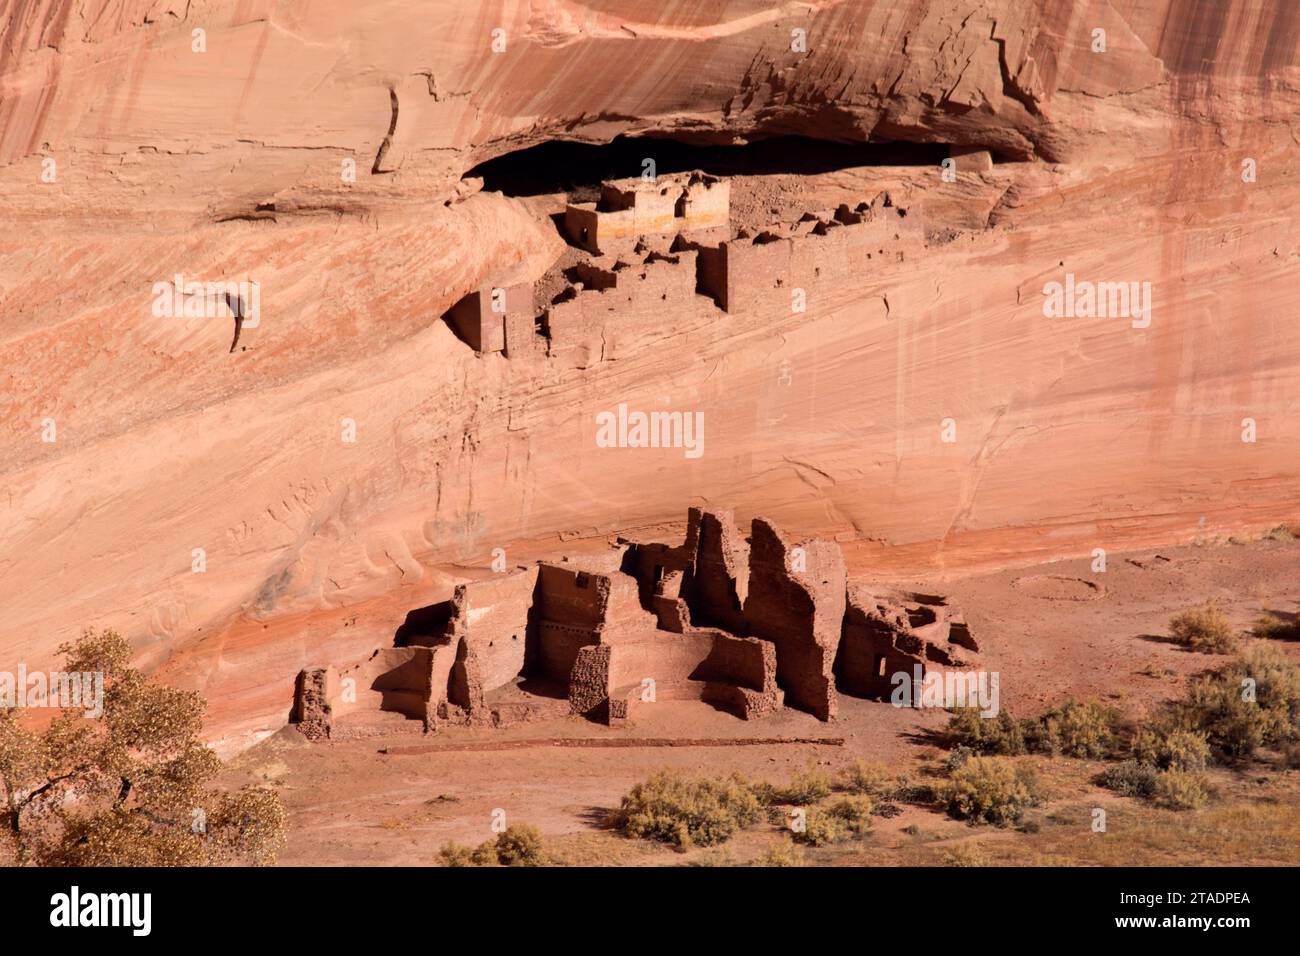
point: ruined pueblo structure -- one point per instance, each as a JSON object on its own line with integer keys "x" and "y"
{"x": 746, "y": 625}
{"x": 660, "y": 254}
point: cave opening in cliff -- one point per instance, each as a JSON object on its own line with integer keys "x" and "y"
{"x": 562, "y": 166}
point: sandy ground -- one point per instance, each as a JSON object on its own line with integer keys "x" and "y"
{"x": 1052, "y": 632}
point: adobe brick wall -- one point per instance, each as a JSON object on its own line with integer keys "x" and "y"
{"x": 523, "y": 340}
{"x": 589, "y": 685}
{"x": 889, "y": 632}
{"x": 662, "y": 658}
{"x": 633, "y": 209}
{"x": 401, "y": 678}
{"x": 743, "y": 661}
{"x": 559, "y": 646}
{"x": 574, "y": 607}
{"x": 313, "y": 694}
{"x": 877, "y": 643}
{"x": 394, "y": 679}
{"x": 716, "y": 588}
{"x": 741, "y": 675}
{"x": 631, "y": 305}
{"x": 755, "y": 272}
{"x": 483, "y": 328}
{"x": 493, "y": 617}
{"x": 572, "y": 596}
{"x": 801, "y": 612}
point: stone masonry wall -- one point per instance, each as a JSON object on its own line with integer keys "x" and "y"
{"x": 797, "y": 600}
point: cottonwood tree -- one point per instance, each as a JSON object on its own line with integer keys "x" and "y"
{"x": 132, "y": 787}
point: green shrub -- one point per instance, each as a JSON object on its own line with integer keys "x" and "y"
{"x": 1178, "y": 790}
{"x": 920, "y": 794}
{"x": 1130, "y": 779}
{"x": 1001, "y": 735}
{"x": 1169, "y": 747}
{"x": 1235, "y": 728}
{"x": 854, "y": 813}
{"x": 990, "y": 790}
{"x": 701, "y": 812}
{"x": 871, "y": 779}
{"x": 1277, "y": 689}
{"x": 1204, "y": 629}
{"x": 1075, "y": 729}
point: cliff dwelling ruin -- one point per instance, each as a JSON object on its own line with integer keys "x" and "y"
{"x": 651, "y": 255}
{"x": 747, "y": 625}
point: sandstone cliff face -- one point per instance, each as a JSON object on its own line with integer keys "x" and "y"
{"x": 1070, "y": 434}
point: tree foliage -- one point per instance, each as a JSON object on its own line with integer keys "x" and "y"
{"x": 133, "y": 787}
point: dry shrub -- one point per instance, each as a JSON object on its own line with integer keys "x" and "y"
{"x": 1001, "y": 735}
{"x": 1291, "y": 757}
{"x": 1274, "y": 627}
{"x": 820, "y": 828}
{"x": 869, "y": 779}
{"x": 712, "y": 859}
{"x": 685, "y": 813}
{"x": 965, "y": 854}
{"x": 518, "y": 845}
{"x": 1204, "y": 629}
{"x": 1178, "y": 790}
{"x": 1166, "y": 746}
{"x": 854, "y": 813}
{"x": 1219, "y": 706}
{"x": 1075, "y": 729}
{"x": 455, "y": 854}
{"x": 805, "y": 788}
{"x": 991, "y": 790}
{"x": 785, "y": 853}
